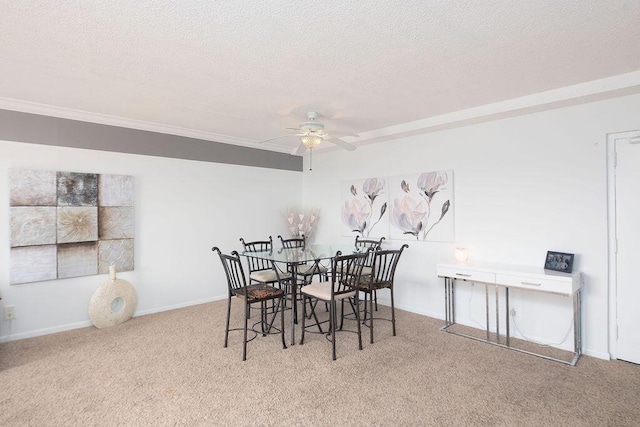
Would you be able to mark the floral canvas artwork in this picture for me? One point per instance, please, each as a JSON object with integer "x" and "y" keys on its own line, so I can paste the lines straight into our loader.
{"x": 421, "y": 207}
{"x": 365, "y": 208}
{"x": 68, "y": 224}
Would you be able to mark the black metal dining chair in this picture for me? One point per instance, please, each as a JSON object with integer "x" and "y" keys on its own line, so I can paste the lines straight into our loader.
{"x": 304, "y": 272}
{"x": 382, "y": 277}
{"x": 346, "y": 271}
{"x": 261, "y": 270}
{"x": 375, "y": 245}
{"x": 250, "y": 294}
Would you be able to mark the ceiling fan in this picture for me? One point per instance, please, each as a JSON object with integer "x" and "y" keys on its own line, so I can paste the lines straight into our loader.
{"x": 312, "y": 133}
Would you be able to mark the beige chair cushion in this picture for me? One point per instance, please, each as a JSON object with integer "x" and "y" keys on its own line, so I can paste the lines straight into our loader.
{"x": 366, "y": 271}
{"x": 268, "y": 276}
{"x": 322, "y": 291}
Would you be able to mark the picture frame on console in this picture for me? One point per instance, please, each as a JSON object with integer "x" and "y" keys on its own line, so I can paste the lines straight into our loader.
{"x": 559, "y": 261}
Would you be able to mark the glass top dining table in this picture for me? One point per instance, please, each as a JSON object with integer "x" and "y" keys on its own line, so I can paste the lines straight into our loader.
{"x": 293, "y": 257}
{"x": 309, "y": 253}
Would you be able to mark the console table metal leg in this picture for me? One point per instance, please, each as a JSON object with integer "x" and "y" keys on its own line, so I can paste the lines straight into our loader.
{"x": 579, "y": 321}
{"x": 497, "y": 289}
{"x": 449, "y": 305}
{"x": 452, "y": 301}
{"x": 447, "y": 321}
{"x": 507, "y": 322}
{"x": 294, "y": 303}
{"x": 486, "y": 297}
{"x": 577, "y": 326}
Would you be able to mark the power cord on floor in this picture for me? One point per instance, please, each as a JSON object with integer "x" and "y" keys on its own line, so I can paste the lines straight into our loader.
{"x": 546, "y": 344}
{"x": 515, "y": 324}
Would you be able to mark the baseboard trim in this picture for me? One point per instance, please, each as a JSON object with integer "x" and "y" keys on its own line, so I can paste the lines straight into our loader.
{"x": 179, "y": 305}
{"x": 45, "y": 331}
{"x": 84, "y": 324}
{"x": 591, "y": 353}
{"x": 597, "y": 354}
{"x": 87, "y": 323}
{"x": 412, "y": 309}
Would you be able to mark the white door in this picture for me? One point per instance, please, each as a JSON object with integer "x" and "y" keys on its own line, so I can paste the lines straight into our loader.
{"x": 627, "y": 205}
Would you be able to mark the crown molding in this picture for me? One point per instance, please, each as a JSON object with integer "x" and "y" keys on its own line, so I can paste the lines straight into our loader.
{"x": 595, "y": 90}
{"x": 105, "y": 119}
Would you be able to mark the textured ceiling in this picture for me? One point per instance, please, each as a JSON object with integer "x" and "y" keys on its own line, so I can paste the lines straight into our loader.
{"x": 241, "y": 70}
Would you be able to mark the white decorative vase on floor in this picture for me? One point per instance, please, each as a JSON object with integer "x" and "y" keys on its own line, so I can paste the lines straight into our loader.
{"x": 114, "y": 302}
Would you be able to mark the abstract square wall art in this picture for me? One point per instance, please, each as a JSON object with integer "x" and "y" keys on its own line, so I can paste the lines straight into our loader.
{"x": 33, "y": 264}
{"x": 77, "y": 224}
{"x": 116, "y": 222}
{"x": 77, "y": 189}
{"x": 32, "y": 225}
{"x": 69, "y": 224}
{"x": 115, "y": 252}
{"x": 32, "y": 188}
{"x": 115, "y": 190}
{"x": 77, "y": 259}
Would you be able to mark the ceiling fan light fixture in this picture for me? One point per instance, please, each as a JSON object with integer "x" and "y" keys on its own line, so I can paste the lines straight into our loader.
{"x": 311, "y": 141}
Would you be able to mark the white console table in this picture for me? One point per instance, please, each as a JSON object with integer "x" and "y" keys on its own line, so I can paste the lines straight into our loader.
{"x": 506, "y": 276}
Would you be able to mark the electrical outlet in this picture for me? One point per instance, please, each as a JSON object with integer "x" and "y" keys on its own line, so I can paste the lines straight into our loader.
{"x": 9, "y": 312}
{"x": 512, "y": 312}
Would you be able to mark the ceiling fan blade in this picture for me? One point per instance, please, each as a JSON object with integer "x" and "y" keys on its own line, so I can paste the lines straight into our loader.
{"x": 277, "y": 137}
{"x": 300, "y": 150}
{"x": 341, "y": 143}
{"x": 341, "y": 132}
{"x": 298, "y": 129}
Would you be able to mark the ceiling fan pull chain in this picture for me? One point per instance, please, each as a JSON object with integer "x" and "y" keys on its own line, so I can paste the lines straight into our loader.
{"x": 310, "y": 160}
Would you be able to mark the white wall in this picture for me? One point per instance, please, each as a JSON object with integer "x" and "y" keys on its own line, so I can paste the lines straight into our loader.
{"x": 182, "y": 209}
{"x": 523, "y": 186}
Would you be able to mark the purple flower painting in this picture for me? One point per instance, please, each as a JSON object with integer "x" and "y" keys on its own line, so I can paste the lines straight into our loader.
{"x": 421, "y": 207}
{"x": 364, "y": 208}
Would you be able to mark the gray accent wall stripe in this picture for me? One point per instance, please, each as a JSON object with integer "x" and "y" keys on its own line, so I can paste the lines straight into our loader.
{"x": 37, "y": 129}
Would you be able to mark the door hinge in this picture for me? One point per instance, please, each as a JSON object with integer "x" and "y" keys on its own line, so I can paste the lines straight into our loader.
{"x": 617, "y": 335}
{"x": 615, "y": 159}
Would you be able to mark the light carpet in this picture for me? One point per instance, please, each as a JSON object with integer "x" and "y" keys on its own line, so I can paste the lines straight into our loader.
{"x": 171, "y": 369}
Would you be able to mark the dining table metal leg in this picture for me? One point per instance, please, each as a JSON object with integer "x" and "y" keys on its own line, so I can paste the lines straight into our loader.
{"x": 294, "y": 303}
